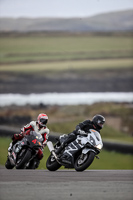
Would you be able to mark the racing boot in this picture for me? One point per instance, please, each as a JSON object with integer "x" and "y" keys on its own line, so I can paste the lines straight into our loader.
{"x": 60, "y": 148}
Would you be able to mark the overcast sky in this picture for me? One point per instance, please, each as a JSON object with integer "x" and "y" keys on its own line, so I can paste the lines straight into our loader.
{"x": 61, "y": 8}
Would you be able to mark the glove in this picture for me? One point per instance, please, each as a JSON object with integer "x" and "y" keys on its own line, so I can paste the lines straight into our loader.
{"x": 16, "y": 136}
{"x": 22, "y": 130}
{"x": 81, "y": 132}
{"x": 44, "y": 144}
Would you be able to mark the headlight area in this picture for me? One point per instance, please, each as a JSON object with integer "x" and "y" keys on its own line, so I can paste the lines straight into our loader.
{"x": 99, "y": 146}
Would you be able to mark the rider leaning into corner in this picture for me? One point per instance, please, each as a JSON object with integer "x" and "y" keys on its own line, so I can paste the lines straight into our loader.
{"x": 38, "y": 126}
{"x": 83, "y": 128}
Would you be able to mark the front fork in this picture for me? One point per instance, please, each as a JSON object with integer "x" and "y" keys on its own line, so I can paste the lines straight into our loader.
{"x": 52, "y": 150}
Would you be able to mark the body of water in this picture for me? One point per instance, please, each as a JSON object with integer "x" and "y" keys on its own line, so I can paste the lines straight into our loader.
{"x": 65, "y": 98}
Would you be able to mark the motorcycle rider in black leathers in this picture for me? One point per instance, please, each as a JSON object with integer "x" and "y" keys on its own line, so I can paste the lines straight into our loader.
{"x": 82, "y": 129}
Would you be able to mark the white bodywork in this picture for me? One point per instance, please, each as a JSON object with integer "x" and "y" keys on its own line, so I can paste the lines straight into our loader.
{"x": 94, "y": 138}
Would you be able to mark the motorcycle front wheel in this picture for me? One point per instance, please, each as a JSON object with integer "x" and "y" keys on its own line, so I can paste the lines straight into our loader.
{"x": 8, "y": 164}
{"x": 23, "y": 159}
{"x": 83, "y": 161}
{"x": 52, "y": 164}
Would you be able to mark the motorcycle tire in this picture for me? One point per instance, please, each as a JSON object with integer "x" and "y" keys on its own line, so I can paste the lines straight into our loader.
{"x": 8, "y": 164}
{"x": 52, "y": 165}
{"x": 24, "y": 160}
{"x": 86, "y": 164}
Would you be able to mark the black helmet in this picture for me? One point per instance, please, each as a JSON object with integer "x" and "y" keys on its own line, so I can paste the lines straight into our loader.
{"x": 98, "y": 121}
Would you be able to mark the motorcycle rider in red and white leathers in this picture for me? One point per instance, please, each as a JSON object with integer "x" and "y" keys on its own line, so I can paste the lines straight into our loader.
{"x": 38, "y": 126}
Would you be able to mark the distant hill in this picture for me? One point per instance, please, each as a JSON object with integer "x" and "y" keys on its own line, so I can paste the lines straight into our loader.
{"x": 114, "y": 21}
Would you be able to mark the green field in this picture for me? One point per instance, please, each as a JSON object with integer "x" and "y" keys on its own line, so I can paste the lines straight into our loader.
{"x": 65, "y": 52}
{"x": 108, "y": 160}
{"x": 64, "y": 45}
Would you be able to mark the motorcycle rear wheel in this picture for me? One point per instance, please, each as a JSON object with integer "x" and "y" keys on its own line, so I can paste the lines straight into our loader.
{"x": 86, "y": 163}
{"x": 24, "y": 160}
{"x": 52, "y": 164}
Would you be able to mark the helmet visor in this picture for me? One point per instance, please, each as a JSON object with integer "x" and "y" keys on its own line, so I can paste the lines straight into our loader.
{"x": 100, "y": 123}
{"x": 43, "y": 121}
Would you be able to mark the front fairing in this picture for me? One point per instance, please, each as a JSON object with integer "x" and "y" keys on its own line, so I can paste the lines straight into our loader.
{"x": 92, "y": 141}
{"x": 37, "y": 136}
{"x": 32, "y": 141}
{"x": 93, "y": 138}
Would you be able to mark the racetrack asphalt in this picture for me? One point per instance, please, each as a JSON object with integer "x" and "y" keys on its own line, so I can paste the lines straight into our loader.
{"x": 66, "y": 185}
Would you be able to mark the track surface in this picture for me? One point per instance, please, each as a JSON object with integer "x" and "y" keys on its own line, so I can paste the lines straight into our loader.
{"x": 66, "y": 184}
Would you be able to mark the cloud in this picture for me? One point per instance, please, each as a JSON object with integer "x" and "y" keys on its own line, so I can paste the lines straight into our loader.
{"x": 60, "y": 8}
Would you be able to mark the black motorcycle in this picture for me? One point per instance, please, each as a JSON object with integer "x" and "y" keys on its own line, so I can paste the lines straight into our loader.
{"x": 79, "y": 154}
{"x": 24, "y": 153}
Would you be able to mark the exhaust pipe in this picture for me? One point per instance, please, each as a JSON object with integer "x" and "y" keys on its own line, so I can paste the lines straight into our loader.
{"x": 51, "y": 149}
{"x": 50, "y": 146}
